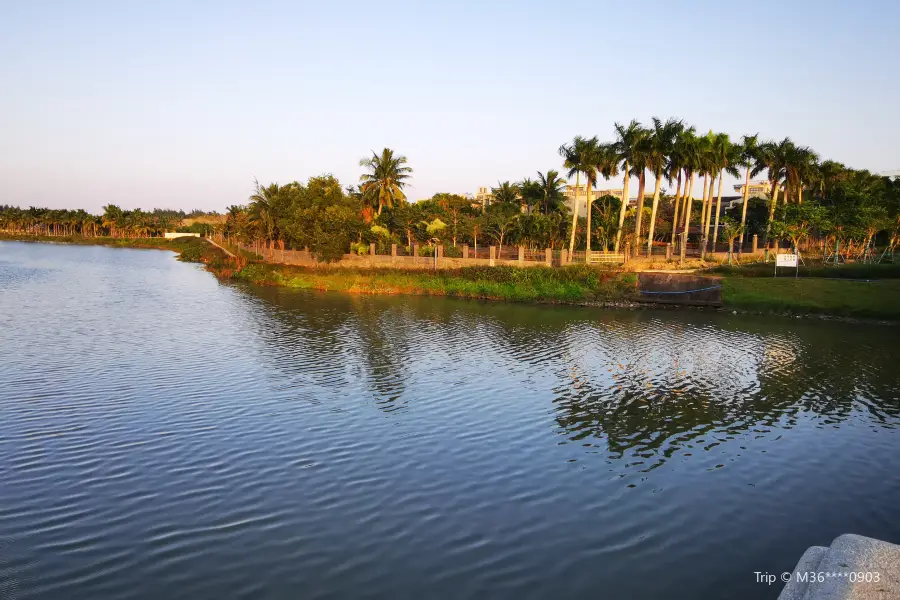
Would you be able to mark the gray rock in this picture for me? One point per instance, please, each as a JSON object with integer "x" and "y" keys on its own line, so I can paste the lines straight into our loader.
{"x": 852, "y": 568}
{"x": 795, "y": 589}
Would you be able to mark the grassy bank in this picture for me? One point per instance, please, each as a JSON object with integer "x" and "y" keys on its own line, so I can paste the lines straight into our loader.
{"x": 575, "y": 284}
{"x": 580, "y": 284}
{"x": 744, "y": 289}
{"x": 873, "y": 299}
{"x": 811, "y": 269}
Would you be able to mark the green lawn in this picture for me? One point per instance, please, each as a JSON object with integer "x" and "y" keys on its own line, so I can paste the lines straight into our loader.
{"x": 877, "y": 299}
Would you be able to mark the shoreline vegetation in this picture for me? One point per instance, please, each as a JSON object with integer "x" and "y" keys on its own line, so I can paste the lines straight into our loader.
{"x": 867, "y": 292}
{"x": 842, "y": 223}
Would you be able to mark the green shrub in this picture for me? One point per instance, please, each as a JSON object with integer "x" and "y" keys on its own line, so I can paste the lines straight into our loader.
{"x": 453, "y": 252}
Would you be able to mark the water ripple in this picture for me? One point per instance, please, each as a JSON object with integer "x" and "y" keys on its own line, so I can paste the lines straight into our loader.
{"x": 162, "y": 435}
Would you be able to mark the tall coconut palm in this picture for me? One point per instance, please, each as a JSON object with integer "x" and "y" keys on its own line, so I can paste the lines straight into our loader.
{"x": 386, "y": 178}
{"x": 689, "y": 147}
{"x": 662, "y": 142}
{"x": 727, "y": 157}
{"x": 748, "y": 148}
{"x": 771, "y": 157}
{"x": 639, "y": 170}
{"x": 607, "y": 158}
{"x": 708, "y": 168}
{"x": 679, "y": 158}
{"x": 626, "y": 147}
{"x": 580, "y": 158}
{"x": 800, "y": 164}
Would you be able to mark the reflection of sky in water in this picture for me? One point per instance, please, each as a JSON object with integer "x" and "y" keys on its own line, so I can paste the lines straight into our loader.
{"x": 157, "y": 424}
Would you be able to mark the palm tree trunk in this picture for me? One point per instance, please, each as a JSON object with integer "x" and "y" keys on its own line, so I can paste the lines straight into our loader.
{"x": 575, "y": 214}
{"x": 703, "y": 215}
{"x": 799, "y": 191}
{"x": 622, "y": 210}
{"x": 744, "y": 207}
{"x": 640, "y": 212}
{"x": 718, "y": 213}
{"x": 772, "y": 210}
{"x": 677, "y": 206}
{"x": 688, "y": 205}
{"x": 709, "y": 205}
{"x": 652, "y": 224}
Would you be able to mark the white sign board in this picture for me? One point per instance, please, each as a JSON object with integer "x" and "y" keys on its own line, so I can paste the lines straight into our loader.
{"x": 786, "y": 260}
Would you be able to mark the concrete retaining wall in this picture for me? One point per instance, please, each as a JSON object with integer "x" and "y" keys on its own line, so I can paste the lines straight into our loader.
{"x": 677, "y": 288}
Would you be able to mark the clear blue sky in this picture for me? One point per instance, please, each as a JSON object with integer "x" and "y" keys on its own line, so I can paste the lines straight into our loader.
{"x": 181, "y": 104}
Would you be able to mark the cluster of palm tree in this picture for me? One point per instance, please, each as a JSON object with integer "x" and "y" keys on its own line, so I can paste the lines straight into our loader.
{"x": 668, "y": 150}
{"x": 851, "y": 206}
{"x": 673, "y": 152}
{"x": 114, "y": 222}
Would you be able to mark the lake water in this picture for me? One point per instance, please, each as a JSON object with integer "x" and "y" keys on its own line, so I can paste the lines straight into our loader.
{"x": 166, "y": 436}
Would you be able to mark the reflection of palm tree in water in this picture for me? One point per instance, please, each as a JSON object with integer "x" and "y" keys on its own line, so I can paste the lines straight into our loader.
{"x": 710, "y": 393}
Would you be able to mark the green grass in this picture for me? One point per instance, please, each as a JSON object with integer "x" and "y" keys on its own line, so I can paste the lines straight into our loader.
{"x": 533, "y": 284}
{"x": 851, "y": 271}
{"x": 879, "y": 299}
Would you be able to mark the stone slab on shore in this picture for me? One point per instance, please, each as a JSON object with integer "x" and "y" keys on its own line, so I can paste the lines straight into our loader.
{"x": 854, "y": 567}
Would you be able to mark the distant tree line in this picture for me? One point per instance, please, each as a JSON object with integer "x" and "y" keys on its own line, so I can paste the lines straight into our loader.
{"x": 114, "y": 222}
{"x": 845, "y": 207}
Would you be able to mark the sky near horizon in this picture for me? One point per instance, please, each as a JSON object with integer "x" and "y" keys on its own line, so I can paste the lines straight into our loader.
{"x": 181, "y": 104}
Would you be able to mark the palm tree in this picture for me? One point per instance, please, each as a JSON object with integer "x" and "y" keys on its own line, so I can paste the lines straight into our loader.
{"x": 607, "y": 167}
{"x": 112, "y": 217}
{"x": 626, "y": 147}
{"x": 769, "y": 157}
{"x": 530, "y": 194}
{"x": 800, "y": 165}
{"x": 386, "y": 178}
{"x": 676, "y": 166}
{"x": 748, "y": 148}
{"x": 830, "y": 173}
{"x": 727, "y": 156}
{"x": 263, "y": 211}
{"x": 688, "y": 145}
{"x": 662, "y": 142}
{"x": 580, "y": 157}
{"x": 639, "y": 170}
{"x": 505, "y": 192}
{"x": 551, "y": 186}
{"x": 707, "y": 166}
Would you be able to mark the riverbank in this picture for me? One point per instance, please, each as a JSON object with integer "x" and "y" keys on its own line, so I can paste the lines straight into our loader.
{"x": 809, "y": 296}
{"x": 579, "y": 284}
{"x": 188, "y": 249}
{"x": 568, "y": 285}
{"x": 575, "y": 284}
